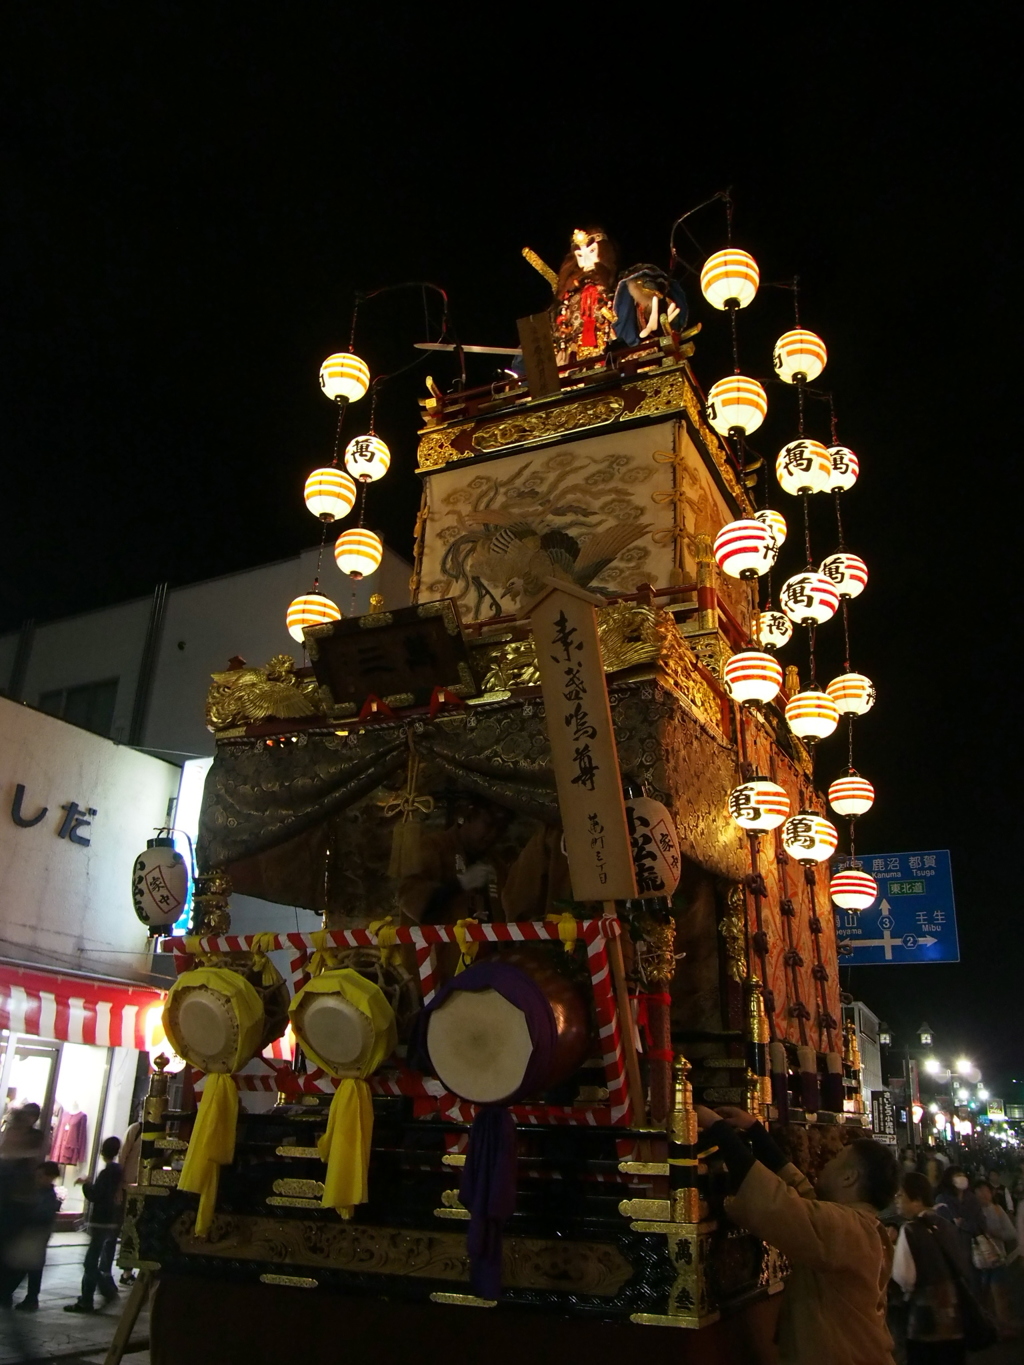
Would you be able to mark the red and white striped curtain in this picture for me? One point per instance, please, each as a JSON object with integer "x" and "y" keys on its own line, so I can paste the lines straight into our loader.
{"x": 73, "y": 1009}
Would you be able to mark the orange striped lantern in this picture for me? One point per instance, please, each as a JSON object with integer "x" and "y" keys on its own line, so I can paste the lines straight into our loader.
{"x": 729, "y": 279}
{"x": 852, "y": 889}
{"x": 845, "y": 468}
{"x": 799, "y": 355}
{"x": 313, "y": 609}
{"x": 809, "y": 838}
{"x": 851, "y": 794}
{"x": 751, "y": 676}
{"x": 803, "y": 467}
{"x": 358, "y": 552}
{"x": 776, "y": 523}
{"x": 344, "y": 378}
{"x": 848, "y": 572}
{"x": 812, "y": 714}
{"x": 853, "y": 694}
{"x": 329, "y": 493}
{"x": 774, "y": 629}
{"x": 745, "y": 548}
{"x": 367, "y": 458}
{"x": 809, "y": 598}
{"x": 736, "y": 404}
{"x": 758, "y": 805}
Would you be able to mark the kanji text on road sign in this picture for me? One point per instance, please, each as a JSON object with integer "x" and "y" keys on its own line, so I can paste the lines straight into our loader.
{"x": 914, "y": 918}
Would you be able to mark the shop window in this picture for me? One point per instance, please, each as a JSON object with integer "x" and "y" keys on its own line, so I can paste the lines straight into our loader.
{"x": 90, "y": 705}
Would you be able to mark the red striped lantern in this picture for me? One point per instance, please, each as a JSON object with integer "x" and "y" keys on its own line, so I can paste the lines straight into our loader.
{"x": 745, "y": 548}
{"x": 852, "y": 889}
{"x": 313, "y": 609}
{"x": 851, "y": 794}
{"x": 809, "y": 838}
{"x": 845, "y": 468}
{"x": 774, "y": 629}
{"x": 809, "y": 598}
{"x": 758, "y": 805}
{"x": 848, "y": 572}
{"x": 803, "y": 467}
{"x": 729, "y": 279}
{"x": 751, "y": 676}
{"x": 799, "y": 355}
{"x": 736, "y": 404}
{"x": 853, "y": 694}
{"x": 812, "y": 714}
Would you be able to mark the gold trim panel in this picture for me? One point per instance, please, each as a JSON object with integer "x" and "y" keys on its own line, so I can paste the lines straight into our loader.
{"x": 282, "y": 1201}
{"x": 302, "y": 1189}
{"x": 306, "y": 1152}
{"x": 464, "y": 1300}
{"x": 293, "y": 1281}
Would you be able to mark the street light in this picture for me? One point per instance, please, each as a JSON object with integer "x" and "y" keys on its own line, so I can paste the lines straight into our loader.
{"x": 884, "y": 1035}
{"x": 932, "y": 1065}
{"x": 964, "y": 1066}
{"x": 982, "y": 1093}
{"x": 924, "y": 1034}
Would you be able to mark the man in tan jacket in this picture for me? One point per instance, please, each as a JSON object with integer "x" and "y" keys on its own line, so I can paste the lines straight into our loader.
{"x": 834, "y": 1305}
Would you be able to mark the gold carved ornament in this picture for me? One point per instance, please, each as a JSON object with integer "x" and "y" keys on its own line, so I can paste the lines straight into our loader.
{"x": 243, "y": 696}
{"x": 733, "y": 928}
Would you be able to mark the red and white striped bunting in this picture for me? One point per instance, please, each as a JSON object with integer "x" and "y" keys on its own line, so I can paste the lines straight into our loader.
{"x": 73, "y": 1009}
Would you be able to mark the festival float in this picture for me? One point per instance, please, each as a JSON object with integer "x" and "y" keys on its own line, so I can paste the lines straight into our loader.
{"x": 558, "y": 826}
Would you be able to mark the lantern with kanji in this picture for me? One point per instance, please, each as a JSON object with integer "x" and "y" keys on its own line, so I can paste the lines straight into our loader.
{"x": 799, "y": 355}
{"x": 809, "y": 838}
{"x": 160, "y": 883}
{"x": 758, "y": 805}
{"x": 655, "y": 844}
{"x": 774, "y": 629}
{"x": 344, "y": 378}
{"x": 312, "y": 609}
{"x": 729, "y": 279}
{"x": 329, "y": 493}
{"x": 845, "y": 468}
{"x": 803, "y": 466}
{"x": 745, "y": 548}
{"x": 751, "y": 676}
{"x": 852, "y": 889}
{"x": 367, "y": 458}
{"x": 776, "y": 522}
{"x": 736, "y": 404}
{"x": 851, "y": 794}
{"x": 809, "y": 598}
{"x": 848, "y": 572}
{"x": 853, "y": 693}
{"x": 811, "y": 714}
{"x": 358, "y": 552}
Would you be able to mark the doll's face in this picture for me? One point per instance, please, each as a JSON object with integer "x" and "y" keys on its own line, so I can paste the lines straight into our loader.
{"x": 586, "y": 254}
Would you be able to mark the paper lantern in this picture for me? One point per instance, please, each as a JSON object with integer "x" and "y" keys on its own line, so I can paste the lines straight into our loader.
{"x": 812, "y": 714}
{"x": 736, "y": 403}
{"x": 330, "y": 494}
{"x": 799, "y": 355}
{"x": 776, "y": 523}
{"x": 809, "y": 598}
{"x": 745, "y": 548}
{"x": 845, "y": 468}
{"x": 358, "y": 552}
{"x": 367, "y": 458}
{"x": 344, "y": 378}
{"x": 655, "y": 845}
{"x": 848, "y": 572}
{"x": 758, "y": 804}
{"x": 852, "y": 889}
{"x": 774, "y": 629}
{"x": 729, "y": 279}
{"x": 751, "y": 676}
{"x": 851, "y": 794}
{"x": 809, "y": 838}
{"x": 853, "y": 694}
{"x": 160, "y": 879}
{"x": 312, "y": 609}
{"x": 803, "y": 467}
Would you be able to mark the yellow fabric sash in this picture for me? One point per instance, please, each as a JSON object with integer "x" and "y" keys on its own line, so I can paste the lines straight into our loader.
{"x": 346, "y": 1147}
{"x": 467, "y": 946}
{"x": 566, "y": 922}
{"x": 212, "y": 1146}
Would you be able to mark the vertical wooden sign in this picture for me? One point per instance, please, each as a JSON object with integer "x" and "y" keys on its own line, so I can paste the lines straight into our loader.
{"x": 538, "y": 354}
{"x": 583, "y": 754}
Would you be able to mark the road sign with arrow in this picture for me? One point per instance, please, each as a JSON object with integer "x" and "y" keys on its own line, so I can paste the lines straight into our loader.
{"x": 914, "y": 918}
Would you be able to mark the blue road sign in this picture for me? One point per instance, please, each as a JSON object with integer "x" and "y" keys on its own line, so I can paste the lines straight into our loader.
{"x": 914, "y": 918}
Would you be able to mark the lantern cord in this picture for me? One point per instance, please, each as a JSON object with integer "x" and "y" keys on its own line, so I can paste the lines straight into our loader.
{"x": 320, "y": 556}
{"x": 796, "y": 302}
{"x": 833, "y": 422}
{"x": 674, "y": 256}
{"x": 807, "y": 528}
{"x": 810, "y": 649}
{"x": 733, "y": 310}
{"x": 839, "y": 519}
{"x": 342, "y": 408}
{"x": 355, "y": 314}
{"x": 853, "y": 845}
{"x": 362, "y": 502}
{"x": 373, "y": 403}
{"x": 800, "y": 381}
{"x": 846, "y": 635}
{"x": 849, "y": 740}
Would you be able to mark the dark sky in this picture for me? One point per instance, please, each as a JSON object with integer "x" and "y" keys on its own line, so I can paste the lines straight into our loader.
{"x": 191, "y": 194}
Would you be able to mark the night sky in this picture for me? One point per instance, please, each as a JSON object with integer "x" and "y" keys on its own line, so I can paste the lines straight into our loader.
{"x": 191, "y": 196}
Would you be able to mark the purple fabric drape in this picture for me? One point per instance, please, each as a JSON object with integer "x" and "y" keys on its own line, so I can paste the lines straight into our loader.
{"x": 488, "y": 1185}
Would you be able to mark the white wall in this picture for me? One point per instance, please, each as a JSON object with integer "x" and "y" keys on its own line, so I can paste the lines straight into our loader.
{"x": 63, "y": 904}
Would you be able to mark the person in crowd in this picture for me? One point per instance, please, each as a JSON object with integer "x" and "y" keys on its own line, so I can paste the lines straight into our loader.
{"x": 25, "y": 1254}
{"x": 835, "y": 1300}
{"x": 929, "y": 1255}
{"x": 130, "y": 1153}
{"x": 103, "y": 1222}
{"x": 955, "y": 1201}
{"x": 933, "y": 1169}
{"x": 1000, "y": 1192}
{"x": 991, "y": 1255}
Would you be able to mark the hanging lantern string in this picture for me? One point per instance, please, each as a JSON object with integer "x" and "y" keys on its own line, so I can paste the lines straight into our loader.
{"x": 733, "y": 310}
{"x": 807, "y": 528}
{"x": 674, "y": 256}
{"x": 342, "y": 409}
{"x": 795, "y": 286}
{"x": 355, "y": 314}
{"x": 362, "y": 502}
{"x": 811, "y": 630}
{"x": 374, "y": 389}
{"x": 320, "y": 556}
{"x": 846, "y": 635}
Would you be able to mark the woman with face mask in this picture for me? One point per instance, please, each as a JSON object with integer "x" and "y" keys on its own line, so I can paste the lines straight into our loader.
{"x": 955, "y": 1201}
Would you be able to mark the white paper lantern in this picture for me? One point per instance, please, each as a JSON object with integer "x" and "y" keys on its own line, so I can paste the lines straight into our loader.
{"x": 312, "y": 609}
{"x": 803, "y": 467}
{"x": 809, "y": 598}
{"x": 852, "y": 889}
{"x": 344, "y": 377}
{"x": 848, "y": 572}
{"x": 655, "y": 845}
{"x": 329, "y": 493}
{"x": 745, "y": 548}
{"x": 853, "y": 693}
{"x": 736, "y": 403}
{"x": 812, "y": 714}
{"x": 851, "y": 794}
{"x": 729, "y": 277}
{"x": 751, "y": 676}
{"x": 799, "y": 354}
{"x": 758, "y": 804}
{"x": 776, "y": 523}
{"x": 367, "y": 458}
{"x": 774, "y": 629}
{"x": 160, "y": 879}
{"x": 358, "y": 552}
{"x": 809, "y": 838}
{"x": 845, "y": 468}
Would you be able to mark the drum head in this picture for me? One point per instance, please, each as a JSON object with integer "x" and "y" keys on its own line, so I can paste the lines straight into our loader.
{"x": 479, "y": 1045}
{"x": 206, "y": 1028}
{"x": 335, "y": 1030}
